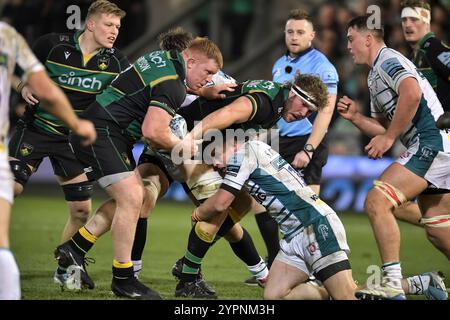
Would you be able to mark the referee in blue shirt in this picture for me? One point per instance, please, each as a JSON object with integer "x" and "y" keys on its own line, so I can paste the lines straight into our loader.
{"x": 302, "y": 143}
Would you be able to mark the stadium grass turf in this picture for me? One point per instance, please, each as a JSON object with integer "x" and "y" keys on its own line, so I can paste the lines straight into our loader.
{"x": 38, "y": 220}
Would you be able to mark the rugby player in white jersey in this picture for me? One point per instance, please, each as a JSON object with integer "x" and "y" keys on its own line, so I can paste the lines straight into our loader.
{"x": 403, "y": 106}
{"x": 15, "y": 52}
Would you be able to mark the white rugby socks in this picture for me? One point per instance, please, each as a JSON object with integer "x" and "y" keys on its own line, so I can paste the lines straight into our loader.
{"x": 9, "y": 276}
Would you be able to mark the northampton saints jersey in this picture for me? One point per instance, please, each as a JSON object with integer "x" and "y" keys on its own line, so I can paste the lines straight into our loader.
{"x": 433, "y": 60}
{"x": 267, "y": 97}
{"x": 80, "y": 77}
{"x": 156, "y": 79}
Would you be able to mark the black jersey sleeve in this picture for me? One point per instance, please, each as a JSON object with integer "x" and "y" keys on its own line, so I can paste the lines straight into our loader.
{"x": 168, "y": 95}
{"x": 438, "y": 55}
{"x": 43, "y": 46}
{"x": 262, "y": 108}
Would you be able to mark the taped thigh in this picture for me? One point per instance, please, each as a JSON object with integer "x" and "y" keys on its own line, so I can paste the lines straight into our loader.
{"x": 441, "y": 221}
{"x": 394, "y": 195}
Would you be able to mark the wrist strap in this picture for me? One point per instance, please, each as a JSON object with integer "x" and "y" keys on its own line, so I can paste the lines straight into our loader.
{"x": 309, "y": 157}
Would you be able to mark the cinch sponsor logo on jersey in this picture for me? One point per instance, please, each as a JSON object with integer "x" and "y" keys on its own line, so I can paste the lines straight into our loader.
{"x": 81, "y": 82}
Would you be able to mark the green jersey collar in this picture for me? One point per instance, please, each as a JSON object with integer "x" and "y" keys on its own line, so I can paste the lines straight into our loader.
{"x": 428, "y": 36}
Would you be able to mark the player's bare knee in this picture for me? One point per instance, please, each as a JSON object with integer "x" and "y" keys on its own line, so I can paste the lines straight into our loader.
{"x": 382, "y": 198}
{"x": 374, "y": 202}
{"x": 132, "y": 200}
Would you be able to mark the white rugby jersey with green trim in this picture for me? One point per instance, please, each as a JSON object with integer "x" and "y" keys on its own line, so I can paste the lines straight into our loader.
{"x": 389, "y": 69}
{"x": 276, "y": 185}
{"x": 14, "y": 51}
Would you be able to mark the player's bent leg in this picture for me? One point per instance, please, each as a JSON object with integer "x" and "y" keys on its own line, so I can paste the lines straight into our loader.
{"x": 243, "y": 247}
{"x": 409, "y": 212}
{"x": 311, "y": 290}
{"x": 101, "y": 222}
{"x": 156, "y": 184}
{"x": 9, "y": 272}
{"x": 128, "y": 191}
{"x": 436, "y": 220}
{"x": 22, "y": 172}
{"x": 234, "y": 234}
{"x": 283, "y": 282}
{"x": 385, "y": 228}
{"x": 268, "y": 228}
{"x": 341, "y": 285}
{"x": 78, "y": 193}
{"x": 395, "y": 186}
{"x": 129, "y": 195}
{"x": 439, "y": 237}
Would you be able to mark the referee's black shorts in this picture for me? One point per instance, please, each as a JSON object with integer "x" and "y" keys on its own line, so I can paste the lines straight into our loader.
{"x": 290, "y": 146}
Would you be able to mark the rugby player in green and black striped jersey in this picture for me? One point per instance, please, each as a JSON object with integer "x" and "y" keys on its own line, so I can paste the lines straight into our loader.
{"x": 82, "y": 65}
{"x": 139, "y": 103}
{"x": 430, "y": 55}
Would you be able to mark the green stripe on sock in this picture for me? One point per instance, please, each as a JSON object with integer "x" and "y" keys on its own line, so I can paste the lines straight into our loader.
{"x": 189, "y": 270}
{"x": 193, "y": 258}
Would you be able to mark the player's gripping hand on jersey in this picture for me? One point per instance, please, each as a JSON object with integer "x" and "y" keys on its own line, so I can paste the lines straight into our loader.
{"x": 214, "y": 92}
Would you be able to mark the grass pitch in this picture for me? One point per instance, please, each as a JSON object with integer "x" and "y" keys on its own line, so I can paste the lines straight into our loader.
{"x": 39, "y": 217}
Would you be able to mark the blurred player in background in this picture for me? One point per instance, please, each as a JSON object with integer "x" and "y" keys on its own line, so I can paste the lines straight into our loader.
{"x": 14, "y": 52}
{"x": 430, "y": 55}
